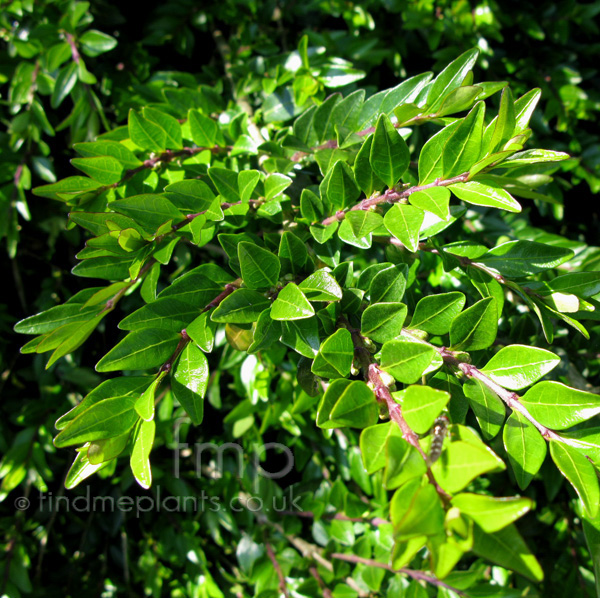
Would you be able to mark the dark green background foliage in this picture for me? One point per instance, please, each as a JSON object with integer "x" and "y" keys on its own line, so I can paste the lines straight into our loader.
{"x": 319, "y": 224}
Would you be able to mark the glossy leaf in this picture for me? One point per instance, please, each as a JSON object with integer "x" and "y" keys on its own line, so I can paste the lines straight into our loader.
{"x": 291, "y": 304}
{"x": 436, "y": 313}
{"x": 335, "y": 356}
{"x": 525, "y": 447}
{"x": 558, "y": 406}
{"x": 404, "y": 222}
{"x": 406, "y": 360}
{"x": 518, "y": 366}
{"x": 421, "y": 405}
{"x": 476, "y": 327}
{"x": 389, "y": 153}
{"x": 382, "y": 322}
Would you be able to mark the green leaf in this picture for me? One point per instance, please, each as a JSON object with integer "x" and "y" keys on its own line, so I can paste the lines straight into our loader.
{"x": 435, "y": 314}
{"x": 421, "y": 405}
{"x": 367, "y": 180}
{"x": 459, "y": 99}
{"x": 354, "y": 403}
{"x": 383, "y": 321}
{"x": 388, "y": 285}
{"x": 356, "y": 407}
{"x": 335, "y": 356}
{"x": 144, "y": 406}
{"x": 267, "y": 332}
{"x": 389, "y": 156}
{"x": 140, "y": 350}
{"x": 202, "y": 331}
{"x": 580, "y": 473}
{"x": 106, "y": 419}
{"x": 403, "y": 462}
{"x": 435, "y": 200}
{"x": 145, "y": 134}
{"x": 524, "y": 108}
{"x": 149, "y": 210}
{"x": 476, "y": 327}
{"x": 226, "y": 182}
{"x": 321, "y": 286}
{"x": 291, "y": 304}
{"x": 363, "y": 222}
{"x": 260, "y": 268}
{"x": 140, "y": 453}
{"x": 406, "y": 360}
{"x": 525, "y": 447}
{"x": 492, "y": 514}
{"x": 559, "y": 407}
{"x": 487, "y": 406}
{"x": 416, "y": 511}
{"x": 107, "y": 448}
{"x": 507, "y": 549}
{"x": 461, "y": 462}
{"x": 190, "y": 381}
{"x": 582, "y": 284}
{"x": 533, "y": 156}
{"x": 520, "y": 258}
{"x": 68, "y": 188}
{"x": 451, "y": 78}
{"x": 203, "y": 129}
{"x": 373, "y": 442}
{"x": 190, "y": 197}
{"x": 276, "y": 184}
{"x": 430, "y": 158}
{"x": 243, "y": 306}
{"x": 504, "y": 123}
{"x": 168, "y": 124}
{"x": 247, "y": 181}
{"x": 104, "y": 169}
{"x": 114, "y": 149}
{"x": 302, "y": 336}
{"x": 518, "y": 366}
{"x": 292, "y": 253}
{"x": 341, "y": 189}
{"x": 479, "y": 194}
{"x": 94, "y": 42}
{"x": 65, "y": 81}
{"x": 55, "y": 317}
{"x": 404, "y": 222}
{"x": 80, "y": 470}
{"x": 463, "y": 149}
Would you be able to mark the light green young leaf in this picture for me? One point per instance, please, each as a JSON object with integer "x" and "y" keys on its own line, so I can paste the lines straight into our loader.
{"x": 461, "y": 462}
{"x": 435, "y": 200}
{"x": 404, "y": 222}
{"x": 488, "y": 408}
{"x": 373, "y": 442}
{"x": 525, "y": 447}
{"x": 321, "y": 286}
{"x": 140, "y": 453}
{"x": 421, "y": 405}
{"x": 559, "y": 407}
{"x": 580, "y": 473}
{"x": 480, "y": 194}
{"x": 507, "y": 548}
{"x": 406, "y": 360}
{"x": 490, "y": 513}
{"x": 518, "y": 366}
{"x": 291, "y": 304}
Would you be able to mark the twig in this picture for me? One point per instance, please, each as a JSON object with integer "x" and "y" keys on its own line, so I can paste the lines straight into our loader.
{"x": 418, "y": 575}
{"x": 315, "y": 573}
{"x": 277, "y": 567}
{"x": 394, "y": 196}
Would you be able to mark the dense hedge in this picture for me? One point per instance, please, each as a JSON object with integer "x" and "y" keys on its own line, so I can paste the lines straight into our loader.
{"x": 301, "y": 233}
